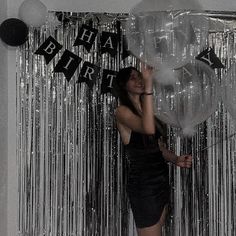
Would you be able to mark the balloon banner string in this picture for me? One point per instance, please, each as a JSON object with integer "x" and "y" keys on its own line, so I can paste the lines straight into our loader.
{"x": 214, "y": 144}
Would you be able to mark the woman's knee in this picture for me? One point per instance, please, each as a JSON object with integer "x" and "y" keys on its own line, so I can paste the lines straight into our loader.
{"x": 154, "y": 230}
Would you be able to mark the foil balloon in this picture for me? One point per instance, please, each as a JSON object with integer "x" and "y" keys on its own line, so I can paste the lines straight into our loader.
{"x": 158, "y": 35}
{"x": 191, "y": 100}
{"x": 229, "y": 90}
{"x": 33, "y": 13}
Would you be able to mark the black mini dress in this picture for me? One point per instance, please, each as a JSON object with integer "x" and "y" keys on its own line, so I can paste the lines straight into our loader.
{"x": 147, "y": 180}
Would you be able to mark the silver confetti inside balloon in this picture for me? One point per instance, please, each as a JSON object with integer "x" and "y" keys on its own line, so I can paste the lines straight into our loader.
{"x": 191, "y": 100}
{"x": 228, "y": 90}
{"x": 168, "y": 37}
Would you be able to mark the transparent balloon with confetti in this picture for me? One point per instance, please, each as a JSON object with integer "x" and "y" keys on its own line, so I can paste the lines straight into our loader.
{"x": 166, "y": 36}
{"x": 228, "y": 90}
{"x": 191, "y": 100}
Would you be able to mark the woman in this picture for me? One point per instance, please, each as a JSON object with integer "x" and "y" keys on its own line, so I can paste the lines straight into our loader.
{"x": 140, "y": 131}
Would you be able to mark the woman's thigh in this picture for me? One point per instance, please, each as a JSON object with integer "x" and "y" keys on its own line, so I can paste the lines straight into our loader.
{"x": 154, "y": 230}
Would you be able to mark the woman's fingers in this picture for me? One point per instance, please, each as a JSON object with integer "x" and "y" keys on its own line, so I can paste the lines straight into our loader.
{"x": 185, "y": 161}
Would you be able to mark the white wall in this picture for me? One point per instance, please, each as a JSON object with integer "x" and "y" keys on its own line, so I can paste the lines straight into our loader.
{"x": 8, "y": 91}
{"x": 116, "y": 6}
{"x": 3, "y": 128}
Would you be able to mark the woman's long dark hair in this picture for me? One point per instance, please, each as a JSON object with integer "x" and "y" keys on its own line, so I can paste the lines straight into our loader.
{"x": 122, "y": 78}
{"x": 121, "y": 92}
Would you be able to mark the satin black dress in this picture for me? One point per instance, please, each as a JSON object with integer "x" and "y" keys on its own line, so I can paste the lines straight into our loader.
{"x": 147, "y": 180}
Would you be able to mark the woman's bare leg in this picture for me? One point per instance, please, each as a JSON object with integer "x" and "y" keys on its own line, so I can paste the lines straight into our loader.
{"x": 154, "y": 230}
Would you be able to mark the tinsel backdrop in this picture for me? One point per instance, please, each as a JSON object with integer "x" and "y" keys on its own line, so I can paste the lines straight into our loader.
{"x": 71, "y": 165}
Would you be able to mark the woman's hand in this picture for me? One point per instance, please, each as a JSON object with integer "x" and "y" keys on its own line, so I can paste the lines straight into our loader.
{"x": 184, "y": 161}
{"x": 147, "y": 71}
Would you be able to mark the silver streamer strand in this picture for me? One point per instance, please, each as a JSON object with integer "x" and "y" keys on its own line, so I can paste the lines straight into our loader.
{"x": 71, "y": 165}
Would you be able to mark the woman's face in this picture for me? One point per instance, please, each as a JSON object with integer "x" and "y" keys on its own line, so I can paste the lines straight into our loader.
{"x": 135, "y": 83}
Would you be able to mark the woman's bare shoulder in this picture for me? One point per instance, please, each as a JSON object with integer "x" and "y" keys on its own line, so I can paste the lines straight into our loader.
{"x": 121, "y": 108}
{"x": 122, "y": 111}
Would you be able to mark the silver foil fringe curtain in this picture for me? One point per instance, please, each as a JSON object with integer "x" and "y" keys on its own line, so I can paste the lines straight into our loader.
{"x": 71, "y": 166}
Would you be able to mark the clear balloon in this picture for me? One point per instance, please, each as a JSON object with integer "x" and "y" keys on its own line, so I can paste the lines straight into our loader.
{"x": 165, "y": 75}
{"x": 33, "y": 13}
{"x": 229, "y": 90}
{"x": 166, "y": 37}
{"x": 191, "y": 100}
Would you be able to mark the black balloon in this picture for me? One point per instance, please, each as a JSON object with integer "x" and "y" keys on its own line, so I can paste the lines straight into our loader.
{"x": 14, "y": 32}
